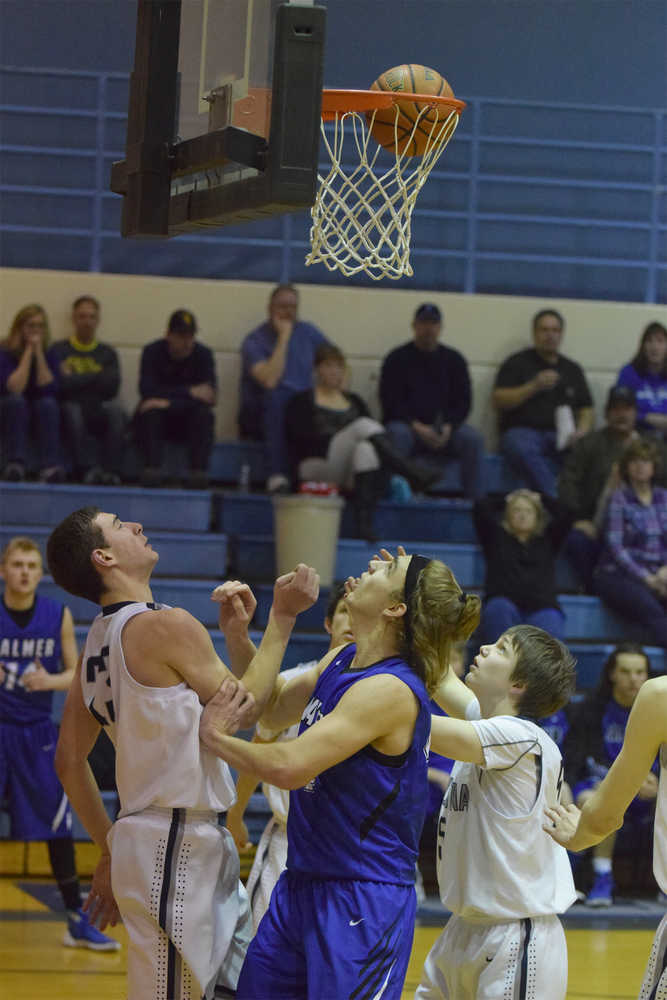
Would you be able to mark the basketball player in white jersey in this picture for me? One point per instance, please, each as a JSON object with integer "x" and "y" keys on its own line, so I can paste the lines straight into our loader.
{"x": 145, "y": 674}
{"x": 645, "y": 736}
{"x": 503, "y": 880}
{"x": 271, "y": 855}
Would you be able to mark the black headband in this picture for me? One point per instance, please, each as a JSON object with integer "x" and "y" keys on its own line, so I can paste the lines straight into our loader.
{"x": 415, "y": 566}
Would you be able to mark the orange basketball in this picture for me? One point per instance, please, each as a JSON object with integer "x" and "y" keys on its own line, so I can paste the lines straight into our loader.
{"x": 412, "y": 79}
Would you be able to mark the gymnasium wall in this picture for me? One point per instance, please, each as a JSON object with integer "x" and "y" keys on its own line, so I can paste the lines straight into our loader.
{"x": 586, "y": 51}
{"x": 365, "y": 323}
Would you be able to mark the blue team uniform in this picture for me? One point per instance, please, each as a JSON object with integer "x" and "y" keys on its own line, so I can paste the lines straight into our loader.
{"x": 557, "y": 726}
{"x": 38, "y": 806}
{"x": 341, "y": 919}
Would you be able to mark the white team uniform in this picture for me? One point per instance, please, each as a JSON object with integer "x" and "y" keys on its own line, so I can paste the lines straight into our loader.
{"x": 174, "y": 870}
{"x": 654, "y": 986}
{"x": 503, "y": 878}
{"x": 271, "y": 855}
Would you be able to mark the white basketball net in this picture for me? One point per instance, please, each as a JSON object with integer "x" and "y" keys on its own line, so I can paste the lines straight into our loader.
{"x": 362, "y": 216}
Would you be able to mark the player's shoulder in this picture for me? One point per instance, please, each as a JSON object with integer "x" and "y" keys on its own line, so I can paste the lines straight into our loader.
{"x": 162, "y": 624}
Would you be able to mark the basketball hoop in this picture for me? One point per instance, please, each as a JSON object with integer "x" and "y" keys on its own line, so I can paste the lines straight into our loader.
{"x": 361, "y": 219}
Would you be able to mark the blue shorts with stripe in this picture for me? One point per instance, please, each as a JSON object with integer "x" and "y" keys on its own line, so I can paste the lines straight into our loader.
{"x": 38, "y": 806}
{"x": 331, "y": 940}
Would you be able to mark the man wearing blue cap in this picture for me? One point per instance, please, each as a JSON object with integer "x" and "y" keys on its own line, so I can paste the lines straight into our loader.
{"x": 426, "y": 396}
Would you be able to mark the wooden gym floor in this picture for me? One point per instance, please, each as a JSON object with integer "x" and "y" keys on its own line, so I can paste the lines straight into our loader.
{"x": 604, "y": 965}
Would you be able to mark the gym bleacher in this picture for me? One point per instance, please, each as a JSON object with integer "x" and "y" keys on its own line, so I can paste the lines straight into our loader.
{"x": 205, "y": 537}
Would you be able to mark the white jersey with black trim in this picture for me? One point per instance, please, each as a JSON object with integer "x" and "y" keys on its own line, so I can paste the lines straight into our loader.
{"x": 660, "y": 825}
{"x": 159, "y": 759}
{"x": 278, "y": 798}
{"x": 495, "y": 862}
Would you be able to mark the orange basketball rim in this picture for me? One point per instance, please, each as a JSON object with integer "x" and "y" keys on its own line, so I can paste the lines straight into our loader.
{"x": 362, "y": 215}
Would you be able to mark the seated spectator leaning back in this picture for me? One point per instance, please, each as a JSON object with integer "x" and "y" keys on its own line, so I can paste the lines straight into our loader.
{"x": 520, "y": 536}
{"x": 590, "y": 475}
{"x": 647, "y": 376}
{"x": 426, "y": 397}
{"x": 591, "y": 747}
{"x": 631, "y": 574}
{"x": 277, "y": 360}
{"x": 28, "y": 401}
{"x": 534, "y": 389}
{"x": 88, "y": 380}
{"x": 177, "y": 385}
{"x": 332, "y": 437}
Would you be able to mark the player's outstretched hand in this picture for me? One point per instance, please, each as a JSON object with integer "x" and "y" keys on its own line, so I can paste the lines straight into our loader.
{"x": 296, "y": 591}
{"x": 237, "y": 605}
{"x": 100, "y": 904}
{"x": 228, "y": 711}
{"x": 386, "y": 555}
{"x": 561, "y": 823}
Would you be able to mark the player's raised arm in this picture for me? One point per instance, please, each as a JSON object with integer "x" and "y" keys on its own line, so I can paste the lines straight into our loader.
{"x": 236, "y": 607}
{"x": 603, "y": 811}
{"x": 292, "y": 593}
{"x": 456, "y": 739}
{"x": 453, "y": 696}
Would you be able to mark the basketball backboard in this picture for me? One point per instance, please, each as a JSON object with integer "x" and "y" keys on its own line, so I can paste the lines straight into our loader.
{"x": 224, "y": 113}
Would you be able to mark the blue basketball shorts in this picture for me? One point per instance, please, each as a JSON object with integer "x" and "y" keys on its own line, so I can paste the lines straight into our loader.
{"x": 38, "y": 806}
{"x": 331, "y": 940}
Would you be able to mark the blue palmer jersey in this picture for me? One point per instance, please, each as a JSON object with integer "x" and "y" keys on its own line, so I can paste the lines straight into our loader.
{"x": 19, "y": 649}
{"x": 361, "y": 819}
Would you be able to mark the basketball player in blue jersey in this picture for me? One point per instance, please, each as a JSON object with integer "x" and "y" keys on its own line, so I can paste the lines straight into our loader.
{"x": 341, "y": 918}
{"x": 37, "y": 657}
{"x": 602, "y": 814}
{"x": 500, "y": 877}
{"x": 167, "y": 866}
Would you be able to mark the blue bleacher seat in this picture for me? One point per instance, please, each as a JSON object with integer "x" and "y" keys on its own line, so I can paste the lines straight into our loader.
{"x": 157, "y": 510}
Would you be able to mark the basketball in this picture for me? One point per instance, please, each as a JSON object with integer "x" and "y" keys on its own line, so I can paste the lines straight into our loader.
{"x": 415, "y": 79}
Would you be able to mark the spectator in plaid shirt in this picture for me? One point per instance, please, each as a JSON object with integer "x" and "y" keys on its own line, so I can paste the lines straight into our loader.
{"x": 631, "y": 574}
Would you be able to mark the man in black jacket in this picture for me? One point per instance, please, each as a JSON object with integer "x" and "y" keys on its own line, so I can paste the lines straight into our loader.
{"x": 425, "y": 395}
{"x": 177, "y": 384}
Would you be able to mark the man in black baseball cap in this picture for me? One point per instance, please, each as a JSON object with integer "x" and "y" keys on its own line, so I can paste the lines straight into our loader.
{"x": 177, "y": 383}
{"x": 426, "y": 397}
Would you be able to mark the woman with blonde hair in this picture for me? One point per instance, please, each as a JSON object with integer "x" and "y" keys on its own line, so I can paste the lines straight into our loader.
{"x": 28, "y": 398}
{"x": 520, "y": 536}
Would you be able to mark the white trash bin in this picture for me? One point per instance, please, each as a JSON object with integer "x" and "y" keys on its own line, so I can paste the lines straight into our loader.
{"x": 305, "y": 529}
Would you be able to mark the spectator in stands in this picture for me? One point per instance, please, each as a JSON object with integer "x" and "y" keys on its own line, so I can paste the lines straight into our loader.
{"x": 177, "y": 384}
{"x": 426, "y": 397}
{"x": 631, "y": 574}
{"x": 331, "y": 437}
{"x": 591, "y": 747}
{"x": 277, "y": 361}
{"x": 88, "y": 379}
{"x": 647, "y": 376}
{"x": 520, "y": 536}
{"x": 38, "y": 656}
{"x": 589, "y": 476}
{"x": 535, "y": 390}
{"x": 28, "y": 398}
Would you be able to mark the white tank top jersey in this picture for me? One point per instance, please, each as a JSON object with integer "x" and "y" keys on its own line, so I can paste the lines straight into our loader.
{"x": 278, "y": 798}
{"x": 495, "y": 862}
{"x": 660, "y": 825}
{"x": 159, "y": 759}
